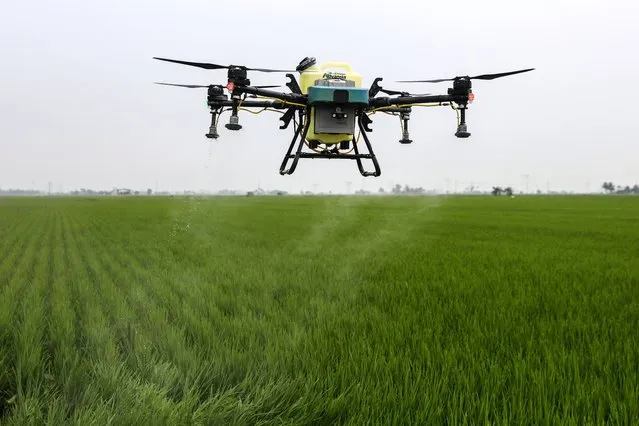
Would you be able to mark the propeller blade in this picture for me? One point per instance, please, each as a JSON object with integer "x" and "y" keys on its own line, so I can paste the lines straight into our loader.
{"x": 267, "y": 70}
{"x": 194, "y": 64}
{"x": 425, "y": 81}
{"x": 502, "y": 74}
{"x": 210, "y": 66}
{"x": 397, "y": 92}
{"x": 190, "y": 86}
{"x": 477, "y": 77}
{"x": 197, "y": 86}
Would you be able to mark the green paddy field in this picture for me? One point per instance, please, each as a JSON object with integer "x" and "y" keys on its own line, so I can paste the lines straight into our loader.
{"x": 319, "y": 310}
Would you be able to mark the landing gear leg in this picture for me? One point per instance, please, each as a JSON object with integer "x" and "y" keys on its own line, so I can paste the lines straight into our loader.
{"x": 371, "y": 154}
{"x": 296, "y": 156}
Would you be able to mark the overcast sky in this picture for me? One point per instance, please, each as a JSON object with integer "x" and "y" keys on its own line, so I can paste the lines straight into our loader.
{"x": 78, "y": 106}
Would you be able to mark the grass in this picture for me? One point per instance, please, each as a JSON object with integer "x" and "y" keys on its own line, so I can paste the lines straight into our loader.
{"x": 312, "y": 310}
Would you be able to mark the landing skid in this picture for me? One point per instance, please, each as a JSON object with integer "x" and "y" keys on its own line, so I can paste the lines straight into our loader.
{"x": 329, "y": 155}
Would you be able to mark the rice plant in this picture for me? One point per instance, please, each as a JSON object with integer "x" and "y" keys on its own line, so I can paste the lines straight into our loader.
{"x": 319, "y": 310}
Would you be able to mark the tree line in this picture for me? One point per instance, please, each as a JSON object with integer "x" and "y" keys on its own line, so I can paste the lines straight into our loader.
{"x": 498, "y": 190}
{"x": 611, "y": 188}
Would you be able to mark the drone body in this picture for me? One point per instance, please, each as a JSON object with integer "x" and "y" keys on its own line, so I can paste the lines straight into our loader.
{"x": 329, "y": 108}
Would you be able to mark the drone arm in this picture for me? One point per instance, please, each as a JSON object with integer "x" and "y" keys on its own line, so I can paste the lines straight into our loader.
{"x": 286, "y": 97}
{"x": 384, "y": 101}
{"x": 461, "y": 99}
{"x": 218, "y": 105}
{"x": 250, "y": 104}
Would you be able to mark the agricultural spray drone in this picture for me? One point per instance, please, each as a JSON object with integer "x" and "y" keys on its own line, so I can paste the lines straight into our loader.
{"x": 327, "y": 106}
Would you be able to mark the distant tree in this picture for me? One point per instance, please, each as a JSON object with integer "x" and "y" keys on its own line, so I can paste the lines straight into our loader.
{"x": 496, "y": 191}
{"x": 508, "y": 191}
{"x": 381, "y": 190}
{"x": 608, "y": 186}
{"x": 149, "y": 191}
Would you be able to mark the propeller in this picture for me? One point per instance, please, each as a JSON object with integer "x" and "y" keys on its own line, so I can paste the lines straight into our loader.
{"x": 196, "y": 86}
{"x": 397, "y": 92}
{"x": 209, "y": 66}
{"x": 477, "y": 77}
{"x": 376, "y": 88}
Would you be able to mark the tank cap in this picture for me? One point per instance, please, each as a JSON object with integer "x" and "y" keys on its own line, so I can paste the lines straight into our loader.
{"x": 305, "y": 63}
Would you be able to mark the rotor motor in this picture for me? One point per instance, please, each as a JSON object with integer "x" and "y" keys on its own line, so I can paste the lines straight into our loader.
{"x": 462, "y": 86}
{"x": 215, "y": 94}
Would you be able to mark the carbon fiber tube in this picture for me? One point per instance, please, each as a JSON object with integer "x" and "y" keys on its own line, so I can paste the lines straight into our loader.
{"x": 250, "y": 104}
{"x": 405, "y": 100}
{"x": 290, "y": 97}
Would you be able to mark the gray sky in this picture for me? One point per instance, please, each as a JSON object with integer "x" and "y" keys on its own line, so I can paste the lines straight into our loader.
{"x": 78, "y": 106}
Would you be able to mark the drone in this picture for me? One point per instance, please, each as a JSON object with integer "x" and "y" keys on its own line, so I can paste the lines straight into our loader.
{"x": 327, "y": 107}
